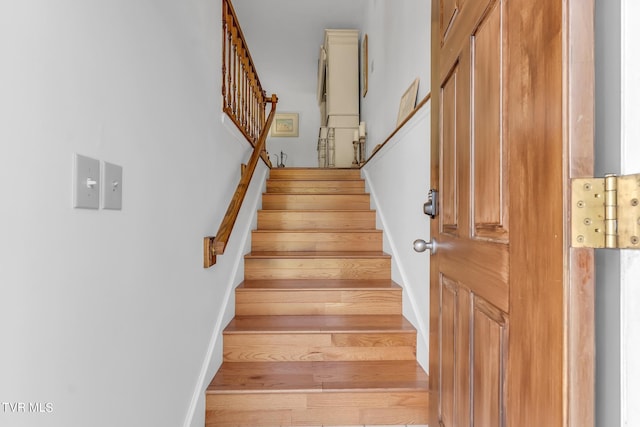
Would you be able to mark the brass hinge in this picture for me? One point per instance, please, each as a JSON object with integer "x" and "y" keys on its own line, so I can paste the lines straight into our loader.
{"x": 605, "y": 212}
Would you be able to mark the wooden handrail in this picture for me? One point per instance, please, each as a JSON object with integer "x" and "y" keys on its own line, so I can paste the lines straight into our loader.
{"x": 245, "y": 102}
{"x": 216, "y": 245}
{"x": 421, "y": 104}
{"x": 243, "y": 98}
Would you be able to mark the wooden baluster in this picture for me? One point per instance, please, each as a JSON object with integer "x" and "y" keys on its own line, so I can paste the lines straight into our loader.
{"x": 230, "y": 69}
{"x": 241, "y": 87}
{"x": 240, "y": 83}
{"x": 254, "y": 123}
{"x": 232, "y": 76}
{"x": 243, "y": 82}
{"x": 250, "y": 118}
{"x": 250, "y": 87}
{"x": 224, "y": 51}
{"x": 229, "y": 66}
{"x": 252, "y": 111}
{"x": 256, "y": 118}
{"x": 249, "y": 100}
{"x": 246, "y": 90}
{"x": 263, "y": 106}
{"x": 238, "y": 77}
{"x": 256, "y": 109}
{"x": 240, "y": 71}
{"x": 236, "y": 72}
{"x": 251, "y": 107}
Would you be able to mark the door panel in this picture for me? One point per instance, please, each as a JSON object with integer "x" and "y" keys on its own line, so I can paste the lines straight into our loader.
{"x": 455, "y": 353}
{"x": 482, "y": 266}
{"x": 489, "y": 339}
{"x": 449, "y": 153}
{"x": 449, "y": 303}
{"x": 487, "y": 144}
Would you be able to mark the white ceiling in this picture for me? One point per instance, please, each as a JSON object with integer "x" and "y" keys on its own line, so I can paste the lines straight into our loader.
{"x": 284, "y": 37}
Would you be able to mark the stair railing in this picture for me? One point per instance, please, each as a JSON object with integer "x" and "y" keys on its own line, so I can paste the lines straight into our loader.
{"x": 242, "y": 95}
{"x": 245, "y": 102}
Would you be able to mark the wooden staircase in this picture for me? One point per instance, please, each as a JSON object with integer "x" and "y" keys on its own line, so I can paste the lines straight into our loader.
{"x": 319, "y": 337}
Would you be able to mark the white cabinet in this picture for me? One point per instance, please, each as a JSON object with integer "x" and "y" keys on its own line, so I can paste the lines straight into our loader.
{"x": 339, "y": 94}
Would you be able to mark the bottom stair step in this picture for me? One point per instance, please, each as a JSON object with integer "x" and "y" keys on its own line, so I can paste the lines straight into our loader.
{"x": 318, "y": 393}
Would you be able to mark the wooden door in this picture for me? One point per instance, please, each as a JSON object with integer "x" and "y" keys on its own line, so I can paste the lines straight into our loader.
{"x": 511, "y": 341}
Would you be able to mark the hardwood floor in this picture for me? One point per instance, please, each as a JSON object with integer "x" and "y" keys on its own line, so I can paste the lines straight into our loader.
{"x": 319, "y": 337}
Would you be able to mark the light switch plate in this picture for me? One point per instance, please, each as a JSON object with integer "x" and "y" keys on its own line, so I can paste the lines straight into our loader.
{"x": 111, "y": 186}
{"x": 86, "y": 182}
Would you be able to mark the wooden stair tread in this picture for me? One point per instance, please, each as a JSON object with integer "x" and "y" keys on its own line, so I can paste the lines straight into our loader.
{"x": 315, "y": 173}
{"x": 310, "y": 182}
{"x": 319, "y": 324}
{"x": 354, "y": 186}
{"x": 311, "y": 201}
{"x": 317, "y": 254}
{"x": 304, "y": 219}
{"x": 317, "y": 231}
{"x": 363, "y": 197}
{"x": 323, "y": 180}
{"x": 307, "y": 284}
{"x": 315, "y": 240}
{"x": 312, "y": 195}
{"x": 275, "y": 377}
{"x": 316, "y": 178}
{"x": 306, "y": 211}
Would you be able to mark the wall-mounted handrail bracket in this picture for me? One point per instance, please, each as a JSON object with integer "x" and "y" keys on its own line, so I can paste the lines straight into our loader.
{"x": 209, "y": 252}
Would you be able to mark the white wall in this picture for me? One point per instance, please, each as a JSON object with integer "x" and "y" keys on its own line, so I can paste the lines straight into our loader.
{"x": 108, "y": 316}
{"x": 398, "y": 176}
{"x": 630, "y": 260}
{"x": 399, "y": 51}
{"x": 299, "y": 151}
{"x": 398, "y": 179}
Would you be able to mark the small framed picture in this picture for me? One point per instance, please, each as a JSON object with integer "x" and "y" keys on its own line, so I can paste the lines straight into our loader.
{"x": 364, "y": 63}
{"x": 285, "y": 125}
{"x": 408, "y": 101}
